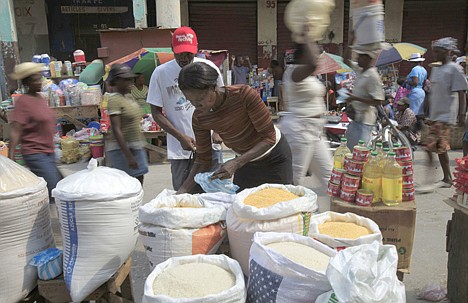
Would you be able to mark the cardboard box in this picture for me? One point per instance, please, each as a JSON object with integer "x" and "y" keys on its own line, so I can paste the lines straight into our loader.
{"x": 397, "y": 224}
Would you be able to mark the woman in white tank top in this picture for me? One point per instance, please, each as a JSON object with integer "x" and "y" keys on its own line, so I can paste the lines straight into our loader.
{"x": 301, "y": 124}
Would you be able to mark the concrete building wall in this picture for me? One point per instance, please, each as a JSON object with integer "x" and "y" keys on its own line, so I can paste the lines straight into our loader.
{"x": 8, "y": 46}
{"x": 266, "y": 32}
{"x": 393, "y": 20}
{"x": 31, "y": 25}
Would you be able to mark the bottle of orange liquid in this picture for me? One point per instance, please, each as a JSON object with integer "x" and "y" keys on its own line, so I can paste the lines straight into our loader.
{"x": 340, "y": 153}
{"x": 392, "y": 182}
{"x": 372, "y": 177}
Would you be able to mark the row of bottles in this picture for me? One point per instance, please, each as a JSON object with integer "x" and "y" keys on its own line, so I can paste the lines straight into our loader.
{"x": 382, "y": 174}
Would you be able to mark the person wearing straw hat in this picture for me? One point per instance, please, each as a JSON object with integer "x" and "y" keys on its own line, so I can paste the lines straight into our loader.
{"x": 416, "y": 79}
{"x": 447, "y": 106}
{"x": 124, "y": 141}
{"x": 367, "y": 93}
{"x": 33, "y": 125}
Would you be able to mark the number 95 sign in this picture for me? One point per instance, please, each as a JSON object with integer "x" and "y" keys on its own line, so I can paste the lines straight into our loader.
{"x": 270, "y": 3}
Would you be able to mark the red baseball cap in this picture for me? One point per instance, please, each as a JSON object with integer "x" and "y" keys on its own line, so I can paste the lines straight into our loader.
{"x": 184, "y": 40}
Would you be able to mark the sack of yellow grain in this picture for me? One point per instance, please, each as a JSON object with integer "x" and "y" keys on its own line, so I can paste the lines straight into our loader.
{"x": 180, "y": 225}
{"x": 343, "y": 230}
{"x": 269, "y": 207}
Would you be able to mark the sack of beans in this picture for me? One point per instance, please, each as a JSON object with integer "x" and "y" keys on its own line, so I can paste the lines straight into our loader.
{"x": 180, "y": 225}
{"x": 343, "y": 230}
{"x": 286, "y": 267}
{"x": 196, "y": 279}
{"x": 269, "y": 207}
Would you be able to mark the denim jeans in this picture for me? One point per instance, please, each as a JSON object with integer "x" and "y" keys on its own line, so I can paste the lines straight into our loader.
{"x": 43, "y": 165}
{"x": 358, "y": 131}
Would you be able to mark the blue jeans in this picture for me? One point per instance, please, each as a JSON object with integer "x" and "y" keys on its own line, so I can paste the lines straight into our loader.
{"x": 358, "y": 131}
{"x": 43, "y": 165}
{"x": 119, "y": 161}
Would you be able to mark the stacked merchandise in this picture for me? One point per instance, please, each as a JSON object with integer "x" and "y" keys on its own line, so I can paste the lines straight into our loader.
{"x": 461, "y": 181}
{"x": 367, "y": 177}
{"x": 368, "y": 25}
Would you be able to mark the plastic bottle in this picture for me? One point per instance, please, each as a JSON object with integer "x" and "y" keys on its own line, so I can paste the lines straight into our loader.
{"x": 379, "y": 150}
{"x": 45, "y": 59}
{"x": 372, "y": 177}
{"x": 361, "y": 143}
{"x": 340, "y": 153}
{"x": 384, "y": 159}
{"x": 392, "y": 182}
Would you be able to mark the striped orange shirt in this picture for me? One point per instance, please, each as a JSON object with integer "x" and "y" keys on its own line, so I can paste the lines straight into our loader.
{"x": 242, "y": 121}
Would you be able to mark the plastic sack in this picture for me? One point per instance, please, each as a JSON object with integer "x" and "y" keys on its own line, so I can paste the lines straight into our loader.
{"x": 243, "y": 221}
{"x": 216, "y": 185}
{"x": 25, "y": 228}
{"x": 180, "y": 225}
{"x": 48, "y": 263}
{"x": 235, "y": 294}
{"x": 433, "y": 293}
{"x": 328, "y": 297}
{"x": 70, "y": 152}
{"x": 315, "y": 13}
{"x": 98, "y": 215}
{"x": 347, "y": 217}
{"x": 366, "y": 274}
{"x": 275, "y": 278}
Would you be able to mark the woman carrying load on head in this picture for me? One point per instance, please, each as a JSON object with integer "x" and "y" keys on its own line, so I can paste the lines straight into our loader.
{"x": 239, "y": 116}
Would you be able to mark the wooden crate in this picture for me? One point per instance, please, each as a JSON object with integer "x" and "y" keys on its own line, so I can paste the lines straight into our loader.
{"x": 117, "y": 289}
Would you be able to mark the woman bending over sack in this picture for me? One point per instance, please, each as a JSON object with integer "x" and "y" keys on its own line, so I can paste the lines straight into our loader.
{"x": 239, "y": 116}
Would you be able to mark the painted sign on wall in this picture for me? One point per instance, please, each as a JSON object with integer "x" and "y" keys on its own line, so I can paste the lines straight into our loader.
{"x": 30, "y": 16}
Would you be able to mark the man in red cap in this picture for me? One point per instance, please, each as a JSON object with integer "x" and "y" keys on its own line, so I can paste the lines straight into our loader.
{"x": 164, "y": 93}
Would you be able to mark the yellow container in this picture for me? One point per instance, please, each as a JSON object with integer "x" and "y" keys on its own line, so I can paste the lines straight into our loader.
{"x": 339, "y": 154}
{"x": 372, "y": 177}
{"x": 392, "y": 182}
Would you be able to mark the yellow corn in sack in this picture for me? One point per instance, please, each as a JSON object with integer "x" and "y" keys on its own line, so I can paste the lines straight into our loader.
{"x": 268, "y": 197}
{"x": 343, "y": 230}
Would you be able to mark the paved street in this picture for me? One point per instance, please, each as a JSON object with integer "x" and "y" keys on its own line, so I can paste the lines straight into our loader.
{"x": 429, "y": 260}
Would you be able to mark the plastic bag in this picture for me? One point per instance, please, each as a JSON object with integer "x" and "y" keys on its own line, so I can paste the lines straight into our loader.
{"x": 216, "y": 185}
{"x": 275, "y": 278}
{"x": 235, "y": 294}
{"x": 48, "y": 263}
{"x": 348, "y": 217}
{"x": 14, "y": 177}
{"x": 366, "y": 274}
{"x": 433, "y": 292}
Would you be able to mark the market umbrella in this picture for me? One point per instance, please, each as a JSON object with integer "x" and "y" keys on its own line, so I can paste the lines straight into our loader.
{"x": 329, "y": 63}
{"x": 145, "y": 60}
{"x": 398, "y": 52}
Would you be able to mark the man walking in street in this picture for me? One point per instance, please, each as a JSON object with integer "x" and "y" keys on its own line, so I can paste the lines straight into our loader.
{"x": 164, "y": 93}
{"x": 447, "y": 106}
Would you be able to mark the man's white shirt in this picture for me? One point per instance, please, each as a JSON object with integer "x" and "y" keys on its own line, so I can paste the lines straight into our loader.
{"x": 164, "y": 92}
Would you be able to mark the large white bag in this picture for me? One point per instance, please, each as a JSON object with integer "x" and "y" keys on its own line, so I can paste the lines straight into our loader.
{"x": 180, "y": 225}
{"x": 25, "y": 228}
{"x": 347, "y": 217}
{"x": 98, "y": 213}
{"x": 314, "y": 13}
{"x": 277, "y": 279}
{"x": 235, "y": 294}
{"x": 366, "y": 274}
{"x": 290, "y": 216}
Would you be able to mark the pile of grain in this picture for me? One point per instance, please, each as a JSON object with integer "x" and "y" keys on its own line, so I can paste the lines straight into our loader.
{"x": 268, "y": 197}
{"x": 302, "y": 254}
{"x": 193, "y": 280}
{"x": 344, "y": 230}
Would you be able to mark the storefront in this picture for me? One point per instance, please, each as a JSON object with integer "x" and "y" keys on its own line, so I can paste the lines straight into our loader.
{"x": 425, "y": 21}
{"x": 73, "y": 24}
{"x": 227, "y": 25}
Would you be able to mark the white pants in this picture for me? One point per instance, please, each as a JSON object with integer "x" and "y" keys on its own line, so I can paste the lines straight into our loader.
{"x": 310, "y": 153}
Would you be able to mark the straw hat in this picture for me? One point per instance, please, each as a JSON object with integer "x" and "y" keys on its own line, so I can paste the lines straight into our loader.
{"x": 26, "y": 69}
{"x": 416, "y": 57}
